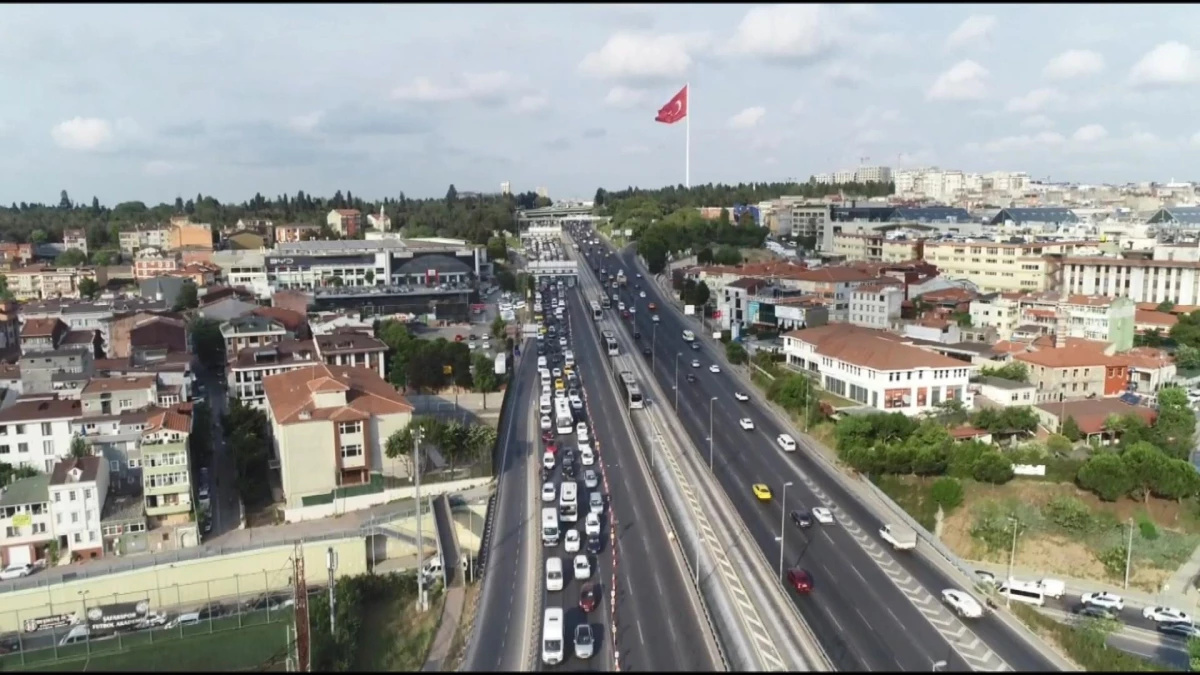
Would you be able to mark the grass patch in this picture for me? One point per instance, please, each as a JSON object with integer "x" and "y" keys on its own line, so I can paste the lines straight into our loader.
{"x": 835, "y": 400}
{"x": 394, "y": 637}
{"x": 911, "y": 494}
{"x": 1085, "y": 645}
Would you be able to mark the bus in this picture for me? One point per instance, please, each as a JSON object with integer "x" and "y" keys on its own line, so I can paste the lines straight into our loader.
{"x": 1023, "y": 591}
{"x": 552, "y": 637}
{"x": 605, "y": 302}
{"x": 568, "y": 502}
{"x": 597, "y": 314}
{"x": 610, "y": 343}
{"x": 564, "y": 421}
{"x": 633, "y": 393}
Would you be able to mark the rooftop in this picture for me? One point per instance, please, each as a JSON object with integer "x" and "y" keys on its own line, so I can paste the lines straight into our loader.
{"x": 40, "y": 407}
{"x": 89, "y": 469}
{"x": 1001, "y": 383}
{"x": 100, "y": 385}
{"x": 1090, "y": 414}
{"x": 869, "y": 348}
{"x": 32, "y": 490}
{"x": 290, "y": 394}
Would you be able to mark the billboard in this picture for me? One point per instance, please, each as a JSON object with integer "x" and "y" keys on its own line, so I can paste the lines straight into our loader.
{"x": 274, "y": 262}
{"x": 116, "y": 616}
{"x": 739, "y": 209}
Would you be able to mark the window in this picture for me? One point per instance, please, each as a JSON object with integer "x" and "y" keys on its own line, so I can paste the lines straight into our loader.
{"x": 71, "y": 494}
{"x": 114, "y": 466}
{"x": 133, "y": 463}
{"x": 92, "y": 535}
{"x": 74, "y": 516}
{"x": 58, "y": 518}
{"x": 48, "y": 447}
{"x": 58, "y": 496}
{"x": 22, "y": 447}
{"x": 78, "y": 538}
{"x": 3, "y": 449}
{"x": 355, "y": 450}
{"x": 45, "y": 429}
{"x": 345, "y": 428}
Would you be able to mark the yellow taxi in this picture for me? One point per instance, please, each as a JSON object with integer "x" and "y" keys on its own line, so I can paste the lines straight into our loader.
{"x": 542, "y": 330}
{"x": 558, "y": 385}
{"x": 761, "y": 491}
{"x": 567, "y": 370}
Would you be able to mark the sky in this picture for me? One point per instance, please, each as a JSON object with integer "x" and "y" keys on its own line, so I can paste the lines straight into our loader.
{"x": 150, "y": 102}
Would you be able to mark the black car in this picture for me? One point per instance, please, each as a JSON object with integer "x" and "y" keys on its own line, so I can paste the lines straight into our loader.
{"x": 696, "y": 346}
{"x": 594, "y": 544}
{"x": 570, "y": 470}
{"x": 801, "y": 518}
{"x": 547, "y": 474}
{"x": 637, "y": 335}
{"x": 691, "y": 377}
{"x": 1095, "y": 612}
{"x": 1180, "y": 629}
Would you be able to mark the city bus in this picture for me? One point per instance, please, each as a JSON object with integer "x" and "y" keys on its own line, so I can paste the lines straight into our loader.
{"x": 633, "y": 393}
{"x": 564, "y": 421}
{"x": 597, "y": 314}
{"x": 610, "y": 343}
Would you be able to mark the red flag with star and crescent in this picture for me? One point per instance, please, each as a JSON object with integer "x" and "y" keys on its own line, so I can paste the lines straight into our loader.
{"x": 675, "y": 109}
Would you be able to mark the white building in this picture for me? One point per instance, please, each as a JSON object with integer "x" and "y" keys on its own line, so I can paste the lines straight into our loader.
{"x": 245, "y": 269}
{"x": 878, "y": 369}
{"x": 78, "y": 488}
{"x": 875, "y": 305}
{"x": 873, "y": 174}
{"x": 1169, "y": 277}
{"x": 1001, "y": 311}
{"x": 26, "y": 523}
{"x": 36, "y": 431}
{"x": 1007, "y": 393}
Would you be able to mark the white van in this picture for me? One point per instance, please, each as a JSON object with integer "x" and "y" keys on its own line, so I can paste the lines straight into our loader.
{"x": 544, "y": 406}
{"x": 552, "y": 636}
{"x": 569, "y": 357}
{"x": 1053, "y": 588}
{"x": 554, "y": 573}
{"x": 1023, "y": 591}
{"x": 76, "y": 635}
{"x": 550, "y": 526}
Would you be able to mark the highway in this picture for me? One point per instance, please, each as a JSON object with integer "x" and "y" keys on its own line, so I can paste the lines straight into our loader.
{"x": 858, "y": 611}
{"x": 504, "y": 629}
{"x": 659, "y": 627}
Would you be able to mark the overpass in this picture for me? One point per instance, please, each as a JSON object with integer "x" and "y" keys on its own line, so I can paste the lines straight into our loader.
{"x": 553, "y": 268}
{"x": 554, "y": 212}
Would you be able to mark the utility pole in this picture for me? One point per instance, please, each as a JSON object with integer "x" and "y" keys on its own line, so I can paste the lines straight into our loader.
{"x": 710, "y": 432}
{"x": 331, "y": 562}
{"x": 1129, "y": 553}
{"x": 1012, "y": 558}
{"x": 420, "y": 528}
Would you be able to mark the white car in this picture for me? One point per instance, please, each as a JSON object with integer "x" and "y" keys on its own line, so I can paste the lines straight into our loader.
{"x": 620, "y": 306}
{"x": 632, "y": 309}
{"x": 740, "y": 396}
{"x": 559, "y": 393}
{"x": 786, "y": 442}
{"x": 557, "y": 372}
{"x": 549, "y": 491}
{"x": 486, "y": 345}
{"x": 1104, "y": 599}
{"x": 642, "y": 294}
{"x": 571, "y": 541}
{"x": 583, "y": 568}
{"x": 548, "y": 461}
{"x": 746, "y": 423}
{"x": 695, "y": 363}
{"x": 576, "y": 403}
{"x": 15, "y": 571}
{"x": 654, "y": 318}
{"x": 822, "y": 515}
{"x": 581, "y": 432}
{"x": 714, "y": 368}
{"x": 962, "y": 603}
{"x": 562, "y": 342}
{"x": 471, "y": 344}
{"x": 586, "y": 457}
{"x": 545, "y": 423}
{"x": 590, "y": 479}
{"x": 591, "y": 524}
{"x": 554, "y": 573}
{"x": 1166, "y": 615}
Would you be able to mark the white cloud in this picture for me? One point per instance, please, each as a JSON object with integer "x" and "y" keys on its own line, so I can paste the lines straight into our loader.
{"x": 162, "y": 167}
{"x": 964, "y": 81}
{"x": 1036, "y": 122}
{"x": 83, "y": 133}
{"x": 635, "y": 150}
{"x": 1021, "y": 142}
{"x": 475, "y": 87}
{"x": 531, "y": 103}
{"x": 798, "y": 106}
{"x": 974, "y": 30}
{"x": 1089, "y": 133}
{"x": 1168, "y": 64}
{"x": 1035, "y": 100}
{"x": 624, "y": 97}
{"x": 747, "y": 118}
{"x": 1196, "y": 138}
{"x": 1072, "y": 64}
{"x": 875, "y": 117}
{"x": 845, "y": 75}
{"x": 642, "y": 56}
{"x": 305, "y": 123}
{"x": 783, "y": 32}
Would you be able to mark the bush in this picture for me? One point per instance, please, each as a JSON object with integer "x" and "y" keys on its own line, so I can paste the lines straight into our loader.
{"x": 1070, "y": 514}
{"x": 1147, "y": 528}
{"x": 1059, "y": 444}
{"x": 1086, "y": 647}
{"x": 947, "y": 493}
{"x": 992, "y": 467}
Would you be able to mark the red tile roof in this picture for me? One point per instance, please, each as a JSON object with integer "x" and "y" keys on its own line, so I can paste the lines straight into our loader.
{"x": 290, "y": 394}
{"x": 869, "y": 348}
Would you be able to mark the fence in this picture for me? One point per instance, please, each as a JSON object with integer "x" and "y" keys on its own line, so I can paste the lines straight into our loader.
{"x": 363, "y": 501}
{"x": 91, "y": 626}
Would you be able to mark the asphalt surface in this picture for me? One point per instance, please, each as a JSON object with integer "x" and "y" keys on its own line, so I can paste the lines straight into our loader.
{"x": 863, "y": 621}
{"x": 504, "y": 623}
{"x": 653, "y": 598}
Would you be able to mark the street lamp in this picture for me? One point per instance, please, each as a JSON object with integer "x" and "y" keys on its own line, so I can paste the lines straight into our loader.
{"x": 677, "y": 355}
{"x": 782, "y": 524}
{"x": 1129, "y": 553}
{"x": 1012, "y": 557}
{"x": 710, "y": 432}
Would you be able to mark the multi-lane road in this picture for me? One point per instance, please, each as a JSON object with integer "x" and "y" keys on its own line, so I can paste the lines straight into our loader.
{"x": 861, "y": 610}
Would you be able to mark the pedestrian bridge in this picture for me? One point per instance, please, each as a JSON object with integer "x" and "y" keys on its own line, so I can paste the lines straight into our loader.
{"x": 553, "y": 268}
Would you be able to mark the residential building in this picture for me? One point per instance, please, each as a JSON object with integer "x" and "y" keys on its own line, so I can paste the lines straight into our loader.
{"x": 162, "y": 287}
{"x": 784, "y": 313}
{"x": 1005, "y": 393}
{"x": 345, "y": 347}
{"x": 185, "y": 234}
{"x": 875, "y": 305}
{"x": 10, "y": 325}
{"x": 1001, "y": 311}
{"x": 117, "y": 439}
{"x": 346, "y": 222}
{"x": 153, "y": 337}
{"x": 152, "y": 262}
{"x": 878, "y": 369}
{"x": 1164, "y": 278}
{"x": 878, "y": 247}
{"x": 1097, "y": 318}
{"x": 1149, "y": 369}
{"x": 115, "y": 395}
{"x": 55, "y": 359}
{"x": 733, "y": 303}
{"x": 78, "y": 488}
{"x": 36, "y": 431}
{"x": 1074, "y": 368}
{"x": 933, "y": 329}
{"x": 246, "y": 269}
{"x": 16, "y": 254}
{"x": 26, "y": 522}
{"x": 98, "y": 314}
{"x": 329, "y": 425}
{"x": 1090, "y": 415}
{"x": 295, "y": 232}
{"x": 173, "y": 370}
{"x": 201, "y": 274}
{"x": 342, "y": 348}
{"x": 132, "y": 241}
{"x": 120, "y": 344}
{"x": 1146, "y": 320}
{"x": 353, "y": 321}
{"x": 1002, "y": 267}
{"x": 251, "y": 330}
{"x": 873, "y": 174}
{"x": 75, "y": 240}
{"x": 294, "y": 322}
{"x": 37, "y": 282}
{"x": 166, "y": 469}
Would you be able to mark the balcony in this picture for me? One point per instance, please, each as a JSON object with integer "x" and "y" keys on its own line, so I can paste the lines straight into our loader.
{"x": 180, "y": 487}
{"x": 168, "y": 506}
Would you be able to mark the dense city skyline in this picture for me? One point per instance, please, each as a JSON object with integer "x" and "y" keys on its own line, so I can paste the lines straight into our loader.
{"x": 177, "y": 100}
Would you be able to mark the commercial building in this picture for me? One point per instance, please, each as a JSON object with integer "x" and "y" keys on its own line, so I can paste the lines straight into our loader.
{"x": 878, "y": 369}
{"x": 1171, "y": 275}
{"x": 329, "y": 426}
{"x": 1003, "y": 267}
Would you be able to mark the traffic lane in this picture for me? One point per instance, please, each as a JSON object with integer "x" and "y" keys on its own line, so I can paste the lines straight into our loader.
{"x": 655, "y": 587}
{"x": 894, "y": 636}
{"x": 1009, "y": 646}
{"x": 1130, "y": 616}
{"x": 499, "y": 641}
{"x": 1156, "y": 648}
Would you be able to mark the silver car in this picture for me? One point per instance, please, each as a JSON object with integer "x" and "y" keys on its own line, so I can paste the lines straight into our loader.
{"x": 590, "y": 479}
{"x": 583, "y": 641}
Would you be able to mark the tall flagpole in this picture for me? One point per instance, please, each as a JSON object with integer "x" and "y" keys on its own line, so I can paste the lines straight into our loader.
{"x": 687, "y": 144}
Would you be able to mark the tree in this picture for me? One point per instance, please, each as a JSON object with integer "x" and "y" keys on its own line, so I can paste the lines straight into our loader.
{"x": 498, "y": 327}
{"x": 506, "y": 281}
{"x": 736, "y": 353}
{"x": 497, "y": 249}
{"x": 1144, "y": 463}
{"x": 64, "y": 201}
{"x": 369, "y": 277}
{"x": 106, "y": 258}
{"x": 79, "y": 447}
{"x": 5, "y": 294}
{"x": 1177, "y": 479}
{"x": 947, "y": 493}
{"x": 1106, "y": 475}
{"x": 10, "y": 473}
{"x": 38, "y": 237}
{"x": 485, "y": 378}
{"x": 88, "y": 287}
{"x": 993, "y": 468}
{"x": 207, "y": 342}
{"x": 702, "y": 294}
{"x": 188, "y": 298}
{"x": 1015, "y": 371}
{"x": 71, "y": 257}
{"x": 1070, "y": 429}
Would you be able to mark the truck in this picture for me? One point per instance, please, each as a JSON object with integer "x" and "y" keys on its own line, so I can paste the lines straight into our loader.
{"x": 901, "y": 537}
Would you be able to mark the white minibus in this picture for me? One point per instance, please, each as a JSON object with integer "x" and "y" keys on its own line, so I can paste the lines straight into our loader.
{"x": 550, "y": 526}
{"x": 552, "y": 636}
{"x": 1023, "y": 591}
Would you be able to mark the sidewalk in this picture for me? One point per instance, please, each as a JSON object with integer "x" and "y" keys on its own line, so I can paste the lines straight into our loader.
{"x": 452, "y": 611}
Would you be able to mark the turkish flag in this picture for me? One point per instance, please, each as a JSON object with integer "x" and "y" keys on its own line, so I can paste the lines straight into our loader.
{"x": 675, "y": 109}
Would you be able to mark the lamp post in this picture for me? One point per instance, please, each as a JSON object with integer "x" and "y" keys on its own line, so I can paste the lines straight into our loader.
{"x": 1129, "y": 553}
{"x": 1012, "y": 557}
{"x": 782, "y": 525}
{"x": 420, "y": 539}
{"x": 677, "y": 355}
{"x": 710, "y": 432}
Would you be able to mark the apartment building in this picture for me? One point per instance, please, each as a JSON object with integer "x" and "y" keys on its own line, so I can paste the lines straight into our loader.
{"x": 98, "y": 314}
{"x": 1001, "y": 311}
{"x": 1007, "y": 393}
{"x": 346, "y": 222}
{"x": 132, "y": 241}
{"x": 733, "y": 302}
{"x": 75, "y": 240}
{"x": 878, "y": 369}
{"x": 329, "y": 425}
{"x": 184, "y": 234}
{"x": 115, "y": 395}
{"x": 37, "y": 282}
{"x": 878, "y": 248}
{"x": 294, "y": 232}
{"x": 166, "y": 469}
{"x": 1002, "y": 267}
{"x": 1155, "y": 280}
{"x": 1074, "y": 368}
{"x": 26, "y": 522}
{"x": 152, "y": 262}
{"x": 251, "y": 330}
{"x": 875, "y": 305}
{"x": 36, "y": 431}
{"x": 78, "y": 489}
{"x": 246, "y": 373}
{"x": 247, "y": 269}
{"x": 1098, "y": 318}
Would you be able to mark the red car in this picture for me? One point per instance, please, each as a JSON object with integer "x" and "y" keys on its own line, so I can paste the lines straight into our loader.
{"x": 800, "y": 580}
{"x": 547, "y": 436}
{"x": 625, "y": 314}
{"x": 589, "y": 597}
{"x": 552, "y": 448}
{"x": 458, "y": 338}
